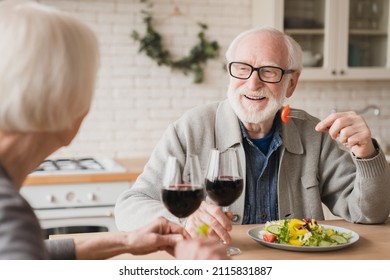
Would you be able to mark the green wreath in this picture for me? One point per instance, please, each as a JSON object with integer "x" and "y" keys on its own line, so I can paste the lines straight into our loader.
{"x": 194, "y": 62}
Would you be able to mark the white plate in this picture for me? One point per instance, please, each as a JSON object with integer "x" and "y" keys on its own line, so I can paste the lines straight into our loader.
{"x": 254, "y": 234}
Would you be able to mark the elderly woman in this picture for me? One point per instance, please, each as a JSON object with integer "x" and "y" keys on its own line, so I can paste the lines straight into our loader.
{"x": 47, "y": 77}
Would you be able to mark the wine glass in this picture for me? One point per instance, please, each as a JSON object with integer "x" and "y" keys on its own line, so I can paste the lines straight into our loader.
{"x": 182, "y": 195}
{"x": 224, "y": 183}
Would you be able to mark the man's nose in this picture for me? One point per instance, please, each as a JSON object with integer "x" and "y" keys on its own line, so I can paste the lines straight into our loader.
{"x": 254, "y": 82}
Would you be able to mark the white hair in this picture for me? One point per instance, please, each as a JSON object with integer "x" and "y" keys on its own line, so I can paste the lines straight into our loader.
{"x": 293, "y": 48}
{"x": 47, "y": 70}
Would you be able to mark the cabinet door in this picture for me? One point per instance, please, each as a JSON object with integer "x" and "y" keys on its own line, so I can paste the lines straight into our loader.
{"x": 363, "y": 41}
{"x": 340, "y": 39}
{"x": 307, "y": 22}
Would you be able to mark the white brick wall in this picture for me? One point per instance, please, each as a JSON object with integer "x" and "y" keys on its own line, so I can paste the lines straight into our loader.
{"x": 136, "y": 99}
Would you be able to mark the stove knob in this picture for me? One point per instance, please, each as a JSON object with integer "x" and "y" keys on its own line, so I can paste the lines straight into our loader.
{"x": 91, "y": 196}
{"x": 50, "y": 198}
{"x": 70, "y": 196}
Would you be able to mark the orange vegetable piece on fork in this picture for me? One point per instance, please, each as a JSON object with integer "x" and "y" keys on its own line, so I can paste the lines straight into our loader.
{"x": 286, "y": 114}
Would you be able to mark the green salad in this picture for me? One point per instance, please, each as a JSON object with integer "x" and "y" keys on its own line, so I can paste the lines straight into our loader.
{"x": 305, "y": 232}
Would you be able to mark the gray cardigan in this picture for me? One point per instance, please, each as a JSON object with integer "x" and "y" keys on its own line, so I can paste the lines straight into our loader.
{"x": 20, "y": 233}
{"x": 313, "y": 169}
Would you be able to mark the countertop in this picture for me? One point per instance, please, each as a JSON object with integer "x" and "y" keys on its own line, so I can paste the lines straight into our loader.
{"x": 133, "y": 166}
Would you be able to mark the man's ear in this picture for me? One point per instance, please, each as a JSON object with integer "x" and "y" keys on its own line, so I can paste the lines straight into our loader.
{"x": 292, "y": 84}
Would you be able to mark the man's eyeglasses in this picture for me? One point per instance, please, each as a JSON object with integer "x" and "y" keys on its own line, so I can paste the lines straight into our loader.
{"x": 267, "y": 74}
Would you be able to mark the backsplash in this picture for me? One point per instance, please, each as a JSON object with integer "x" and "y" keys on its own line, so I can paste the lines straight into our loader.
{"x": 136, "y": 99}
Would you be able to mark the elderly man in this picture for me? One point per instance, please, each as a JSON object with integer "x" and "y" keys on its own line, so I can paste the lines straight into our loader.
{"x": 290, "y": 168}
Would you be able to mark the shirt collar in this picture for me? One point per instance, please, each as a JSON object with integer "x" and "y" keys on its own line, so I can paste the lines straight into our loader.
{"x": 228, "y": 131}
{"x": 275, "y": 127}
{"x": 285, "y": 133}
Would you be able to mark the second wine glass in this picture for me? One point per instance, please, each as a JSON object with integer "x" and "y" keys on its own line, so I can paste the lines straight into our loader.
{"x": 224, "y": 182}
{"x": 182, "y": 195}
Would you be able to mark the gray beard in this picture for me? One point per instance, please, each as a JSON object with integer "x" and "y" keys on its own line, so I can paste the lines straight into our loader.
{"x": 250, "y": 115}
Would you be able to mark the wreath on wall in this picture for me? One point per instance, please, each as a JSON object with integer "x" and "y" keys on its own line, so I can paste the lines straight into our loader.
{"x": 194, "y": 62}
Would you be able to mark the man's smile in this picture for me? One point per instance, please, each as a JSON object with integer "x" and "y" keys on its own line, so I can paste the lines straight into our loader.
{"x": 255, "y": 98}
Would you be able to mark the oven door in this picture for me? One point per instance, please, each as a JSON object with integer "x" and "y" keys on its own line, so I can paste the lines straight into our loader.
{"x": 76, "y": 220}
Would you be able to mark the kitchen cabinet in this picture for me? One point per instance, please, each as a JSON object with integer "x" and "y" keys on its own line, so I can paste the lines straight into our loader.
{"x": 340, "y": 39}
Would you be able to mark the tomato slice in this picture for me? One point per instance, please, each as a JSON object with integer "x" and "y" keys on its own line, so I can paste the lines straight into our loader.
{"x": 286, "y": 114}
{"x": 269, "y": 237}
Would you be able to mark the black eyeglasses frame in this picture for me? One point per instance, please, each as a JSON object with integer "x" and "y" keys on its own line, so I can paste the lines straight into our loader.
{"x": 257, "y": 69}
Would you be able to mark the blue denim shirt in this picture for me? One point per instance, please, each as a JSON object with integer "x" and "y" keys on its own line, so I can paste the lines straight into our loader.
{"x": 261, "y": 198}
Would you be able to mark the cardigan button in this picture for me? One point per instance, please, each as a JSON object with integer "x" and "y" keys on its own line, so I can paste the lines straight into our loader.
{"x": 235, "y": 218}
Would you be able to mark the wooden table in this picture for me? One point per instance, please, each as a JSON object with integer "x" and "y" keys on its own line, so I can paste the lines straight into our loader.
{"x": 373, "y": 244}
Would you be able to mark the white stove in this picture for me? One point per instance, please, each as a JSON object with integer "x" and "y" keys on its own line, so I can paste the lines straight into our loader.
{"x": 73, "y": 166}
{"x": 79, "y": 206}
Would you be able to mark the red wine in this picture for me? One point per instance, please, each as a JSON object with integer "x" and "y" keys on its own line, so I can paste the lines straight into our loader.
{"x": 224, "y": 191}
{"x": 182, "y": 200}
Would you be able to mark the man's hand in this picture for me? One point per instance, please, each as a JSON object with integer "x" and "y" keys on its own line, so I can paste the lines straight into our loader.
{"x": 218, "y": 221}
{"x": 351, "y": 130}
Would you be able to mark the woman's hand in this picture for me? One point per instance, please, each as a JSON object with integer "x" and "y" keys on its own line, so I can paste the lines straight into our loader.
{"x": 159, "y": 235}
